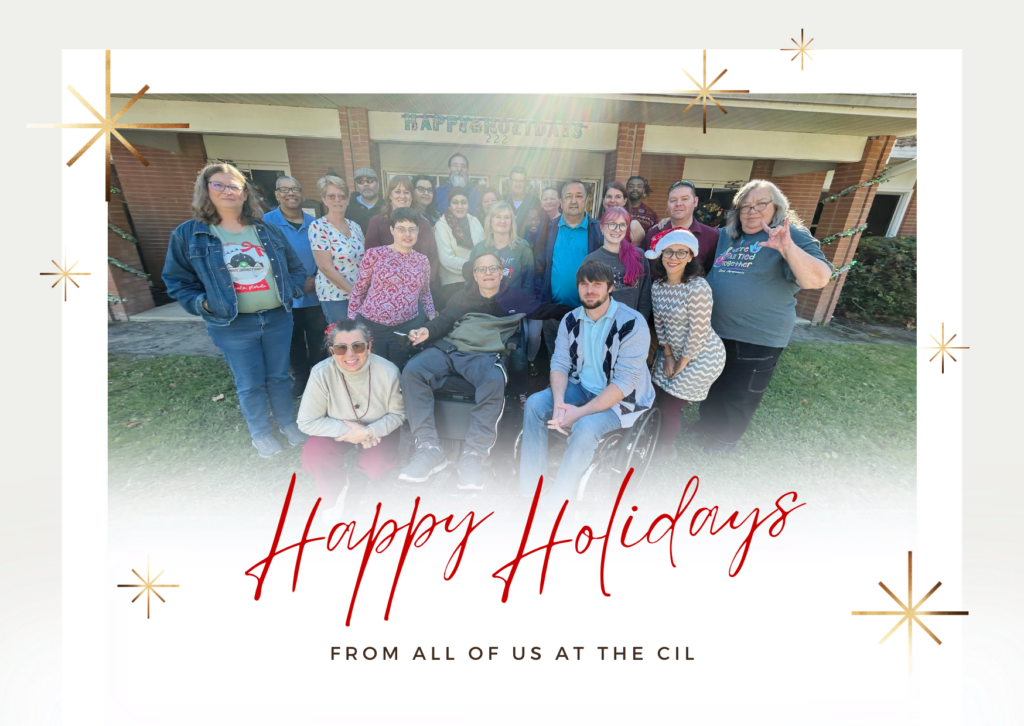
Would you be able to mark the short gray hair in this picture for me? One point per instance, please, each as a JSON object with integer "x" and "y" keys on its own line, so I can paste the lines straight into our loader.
{"x": 782, "y": 207}
{"x": 285, "y": 176}
{"x": 331, "y": 181}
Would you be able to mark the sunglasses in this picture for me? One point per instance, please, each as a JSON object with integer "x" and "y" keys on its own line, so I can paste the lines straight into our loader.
{"x": 359, "y": 347}
{"x": 683, "y": 184}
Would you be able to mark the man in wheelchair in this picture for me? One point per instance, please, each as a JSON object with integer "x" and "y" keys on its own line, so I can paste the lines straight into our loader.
{"x": 599, "y": 383}
{"x": 467, "y": 339}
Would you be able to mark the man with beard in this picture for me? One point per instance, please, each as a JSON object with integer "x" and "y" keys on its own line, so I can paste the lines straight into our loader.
{"x": 368, "y": 202}
{"x": 636, "y": 191}
{"x": 467, "y": 339}
{"x": 458, "y": 176}
{"x": 599, "y": 383}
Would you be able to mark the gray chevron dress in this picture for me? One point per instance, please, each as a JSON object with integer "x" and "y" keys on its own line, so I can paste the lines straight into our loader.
{"x": 682, "y": 318}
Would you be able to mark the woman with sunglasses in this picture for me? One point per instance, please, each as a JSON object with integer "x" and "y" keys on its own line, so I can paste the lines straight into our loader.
{"x": 691, "y": 355}
{"x": 632, "y": 286}
{"x": 765, "y": 256}
{"x": 240, "y": 276}
{"x": 353, "y": 400}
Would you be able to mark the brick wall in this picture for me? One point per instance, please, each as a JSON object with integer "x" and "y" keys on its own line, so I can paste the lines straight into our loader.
{"x": 134, "y": 290}
{"x": 908, "y": 227}
{"x": 844, "y": 213}
{"x": 762, "y": 169}
{"x": 660, "y": 172}
{"x": 625, "y": 161}
{"x": 309, "y": 160}
{"x": 159, "y": 197}
{"x": 803, "y": 192}
{"x": 355, "y": 140}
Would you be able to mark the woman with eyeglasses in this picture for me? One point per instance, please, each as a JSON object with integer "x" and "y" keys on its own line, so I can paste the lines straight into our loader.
{"x": 765, "y": 255}
{"x": 423, "y": 198}
{"x": 632, "y": 273}
{"x": 399, "y": 195}
{"x": 392, "y": 291}
{"x": 691, "y": 355}
{"x": 338, "y": 248}
{"x": 353, "y": 400}
{"x": 615, "y": 196}
{"x": 240, "y": 276}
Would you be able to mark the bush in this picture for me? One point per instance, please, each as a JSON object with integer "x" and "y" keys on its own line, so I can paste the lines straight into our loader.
{"x": 882, "y": 286}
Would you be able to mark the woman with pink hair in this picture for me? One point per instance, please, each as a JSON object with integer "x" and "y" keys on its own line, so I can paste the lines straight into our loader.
{"x": 632, "y": 286}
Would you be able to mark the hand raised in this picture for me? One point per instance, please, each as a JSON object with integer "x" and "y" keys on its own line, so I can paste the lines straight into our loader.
{"x": 778, "y": 238}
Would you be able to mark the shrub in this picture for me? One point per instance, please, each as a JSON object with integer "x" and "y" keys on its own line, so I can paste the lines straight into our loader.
{"x": 882, "y": 286}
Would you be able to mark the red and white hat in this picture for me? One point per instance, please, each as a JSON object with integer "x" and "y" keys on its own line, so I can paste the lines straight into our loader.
{"x": 677, "y": 236}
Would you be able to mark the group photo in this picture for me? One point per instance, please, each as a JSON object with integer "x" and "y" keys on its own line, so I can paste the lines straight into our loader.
{"x": 464, "y": 305}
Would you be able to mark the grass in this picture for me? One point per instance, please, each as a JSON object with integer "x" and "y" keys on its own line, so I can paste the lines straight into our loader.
{"x": 834, "y": 416}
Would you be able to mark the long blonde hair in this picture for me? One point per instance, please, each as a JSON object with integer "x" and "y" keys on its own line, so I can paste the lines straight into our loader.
{"x": 202, "y": 205}
{"x": 500, "y": 206}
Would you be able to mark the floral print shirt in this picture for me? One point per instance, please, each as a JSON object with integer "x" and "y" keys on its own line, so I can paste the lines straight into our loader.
{"x": 346, "y": 252}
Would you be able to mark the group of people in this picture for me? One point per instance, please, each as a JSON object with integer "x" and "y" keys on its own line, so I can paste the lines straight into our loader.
{"x": 418, "y": 284}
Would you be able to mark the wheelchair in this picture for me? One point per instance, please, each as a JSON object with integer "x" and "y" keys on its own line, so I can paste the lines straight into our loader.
{"x": 454, "y": 401}
{"x": 617, "y": 452}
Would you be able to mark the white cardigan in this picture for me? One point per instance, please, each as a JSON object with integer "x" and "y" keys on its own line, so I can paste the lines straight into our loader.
{"x": 449, "y": 254}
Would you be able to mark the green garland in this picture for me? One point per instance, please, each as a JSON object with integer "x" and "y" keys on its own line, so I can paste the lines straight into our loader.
{"x": 120, "y": 232}
{"x": 112, "y": 299}
{"x": 127, "y": 268}
{"x": 849, "y": 190}
{"x": 115, "y": 190}
{"x": 845, "y": 268}
{"x": 845, "y": 233}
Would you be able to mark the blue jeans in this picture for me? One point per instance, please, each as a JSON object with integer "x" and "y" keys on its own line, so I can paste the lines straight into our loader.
{"x": 256, "y": 347}
{"x": 335, "y": 310}
{"x": 586, "y": 433}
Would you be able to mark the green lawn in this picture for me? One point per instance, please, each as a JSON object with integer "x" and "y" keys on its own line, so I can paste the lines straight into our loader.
{"x": 833, "y": 413}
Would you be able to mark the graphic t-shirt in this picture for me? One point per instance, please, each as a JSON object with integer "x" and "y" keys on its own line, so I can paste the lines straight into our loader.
{"x": 754, "y": 288}
{"x": 251, "y": 271}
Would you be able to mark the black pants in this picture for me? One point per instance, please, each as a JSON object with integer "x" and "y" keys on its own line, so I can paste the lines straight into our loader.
{"x": 735, "y": 396}
{"x": 395, "y": 348}
{"x": 307, "y": 342}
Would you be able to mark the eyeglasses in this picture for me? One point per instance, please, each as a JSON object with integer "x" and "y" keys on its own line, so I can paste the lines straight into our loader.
{"x": 425, "y": 190}
{"x": 683, "y": 183}
{"x": 406, "y": 230}
{"x": 759, "y": 207}
{"x": 616, "y": 226}
{"x": 359, "y": 347}
{"x": 490, "y": 269}
{"x": 336, "y": 197}
{"x": 290, "y": 190}
{"x": 219, "y": 187}
{"x": 678, "y": 254}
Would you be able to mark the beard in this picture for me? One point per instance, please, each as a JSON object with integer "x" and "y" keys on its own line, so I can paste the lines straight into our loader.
{"x": 635, "y": 196}
{"x": 459, "y": 180}
{"x": 593, "y": 306}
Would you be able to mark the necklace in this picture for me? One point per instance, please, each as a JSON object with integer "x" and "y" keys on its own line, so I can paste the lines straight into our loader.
{"x": 369, "y": 389}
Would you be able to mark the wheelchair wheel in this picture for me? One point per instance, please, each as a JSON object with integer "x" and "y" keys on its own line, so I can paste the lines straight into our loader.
{"x": 638, "y": 450}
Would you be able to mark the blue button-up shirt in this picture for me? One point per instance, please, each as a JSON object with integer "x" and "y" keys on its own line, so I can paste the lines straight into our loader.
{"x": 592, "y": 375}
{"x": 299, "y": 240}
{"x": 567, "y": 256}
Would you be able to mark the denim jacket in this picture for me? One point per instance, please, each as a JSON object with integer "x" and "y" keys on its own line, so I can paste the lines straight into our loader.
{"x": 194, "y": 270}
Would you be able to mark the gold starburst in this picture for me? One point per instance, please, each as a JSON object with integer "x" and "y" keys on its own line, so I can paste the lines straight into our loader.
{"x": 148, "y": 586}
{"x": 704, "y": 91}
{"x": 944, "y": 347}
{"x": 65, "y": 275}
{"x": 910, "y": 612}
{"x": 801, "y": 49}
{"x": 108, "y": 126}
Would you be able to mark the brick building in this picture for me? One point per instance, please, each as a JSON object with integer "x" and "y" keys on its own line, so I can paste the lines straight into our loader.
{"x": 809, "y": 145}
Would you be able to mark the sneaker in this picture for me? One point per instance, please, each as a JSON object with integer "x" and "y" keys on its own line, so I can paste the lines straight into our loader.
{"x": 471, "y": 471}
{"x": 266, "y": 446}
{"x": 295, "y": 437}
{"x": 427, "y": 461}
